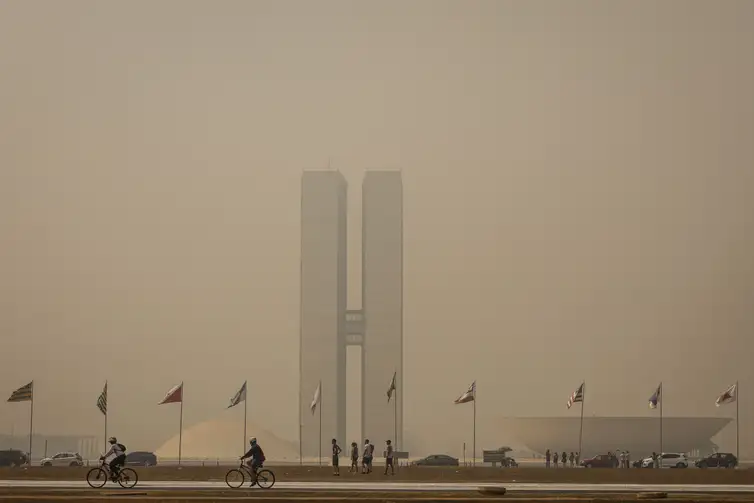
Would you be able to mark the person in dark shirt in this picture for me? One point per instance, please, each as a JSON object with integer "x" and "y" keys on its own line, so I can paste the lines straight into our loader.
{"x": 354, "y": 457}
{"x": 255, "y": 455}
{"x": 336, "y": 450}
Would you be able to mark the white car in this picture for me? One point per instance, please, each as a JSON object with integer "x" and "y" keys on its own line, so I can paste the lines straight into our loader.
{"x": 668, "y": 460}
{"x": 64, "y": 459}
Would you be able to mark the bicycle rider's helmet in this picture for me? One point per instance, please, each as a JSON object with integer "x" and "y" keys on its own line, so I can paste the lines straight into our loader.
{"x": 112, "y": 440}
{"x": 253, "y": 441}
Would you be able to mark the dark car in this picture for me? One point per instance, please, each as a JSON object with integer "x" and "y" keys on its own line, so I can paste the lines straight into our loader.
{"x": 141, "y": 458}
{"x": 599, "y": 461}
{"x": 437, "y": 460}
{"x": 718, "y": 460}
{"x": 13, "y": 457}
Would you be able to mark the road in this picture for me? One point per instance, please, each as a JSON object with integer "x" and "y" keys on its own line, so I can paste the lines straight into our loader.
{"x": 402, "y": 486}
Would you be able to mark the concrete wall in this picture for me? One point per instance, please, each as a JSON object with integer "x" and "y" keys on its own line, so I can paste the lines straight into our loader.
{"x": 323, "y": 306}
{"x": 382, "y": 301}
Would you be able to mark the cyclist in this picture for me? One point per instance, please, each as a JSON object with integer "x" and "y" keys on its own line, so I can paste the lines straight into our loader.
{"x": 118, "y": 451}
{"x": 255, "y": 454}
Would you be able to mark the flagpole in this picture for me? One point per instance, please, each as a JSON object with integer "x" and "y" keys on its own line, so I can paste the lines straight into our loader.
{"x": 245, "y": 415}
{"x": 737, "y": 396}
{"x": 473, "y": 436}
{"x": 31, "y": 421}
{"x": 581, "y": 422}
{"x": 320, "y": 423}
{"x": 180, "y": 428}
{"x": 661, "y": 398}
{"x": 106, "y": 412}
{"x": 395, "y": 415}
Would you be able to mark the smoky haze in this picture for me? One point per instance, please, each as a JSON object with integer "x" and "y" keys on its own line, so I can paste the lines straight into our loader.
{"x": 578, "y": 182}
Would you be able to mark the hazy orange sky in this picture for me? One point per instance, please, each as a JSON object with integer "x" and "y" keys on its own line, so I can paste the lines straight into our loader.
{"x": 578, "y": 181}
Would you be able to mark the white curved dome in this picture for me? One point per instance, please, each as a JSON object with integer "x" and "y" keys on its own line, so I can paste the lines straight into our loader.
{"x": 222, "y": 439}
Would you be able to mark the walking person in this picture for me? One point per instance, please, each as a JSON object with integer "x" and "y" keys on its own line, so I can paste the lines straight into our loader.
{"x": 389, "y": 457}
{"x": 336, "y": 450}
{"x": 366, "y": 460}
{"x": 564, "y": 459}
{"x": 547, "y": 458}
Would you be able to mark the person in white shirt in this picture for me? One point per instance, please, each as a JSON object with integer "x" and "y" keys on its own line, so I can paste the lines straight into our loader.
{"x": 118, "y": 454}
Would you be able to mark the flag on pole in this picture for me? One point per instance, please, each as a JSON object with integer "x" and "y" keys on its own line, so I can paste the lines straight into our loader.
{"x": 102, "y": 401}
{"x": 576, "y": 396}
{"x": 728, "y": 396}
{"x": 175, "y": 395}
{"x": 23, "y": 394}
{"x": 468, "y": 396}
{"x": 655, "y": 399}
{"x": 316, "y": 399}
{"x": 391, "y": 389}
{"x": 239, "y": 397}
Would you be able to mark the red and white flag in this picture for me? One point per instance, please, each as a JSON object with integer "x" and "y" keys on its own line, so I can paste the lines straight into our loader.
{"x": 175, "y": 395}
{"x": 728, "y": 396}
{"x": 469, "y": 396}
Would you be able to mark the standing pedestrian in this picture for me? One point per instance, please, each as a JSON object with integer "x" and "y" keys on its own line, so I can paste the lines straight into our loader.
{"x": 354, "y": 457}
{"x": 336, "y": 450}
{"x": 389, "y": 457}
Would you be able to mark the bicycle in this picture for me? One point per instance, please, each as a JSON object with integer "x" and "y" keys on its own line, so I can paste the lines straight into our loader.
{"x": 236, "y": 477}
{"x": 98, "y": 477}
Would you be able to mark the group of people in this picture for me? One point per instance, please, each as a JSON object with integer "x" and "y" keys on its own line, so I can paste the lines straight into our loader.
{"x": 562, "y": 458}
{"x": 622, "y": 458}
{"x": 367, "y": 456}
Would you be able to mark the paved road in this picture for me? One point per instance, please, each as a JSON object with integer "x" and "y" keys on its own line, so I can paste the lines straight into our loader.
{"x": 400, "y": 486}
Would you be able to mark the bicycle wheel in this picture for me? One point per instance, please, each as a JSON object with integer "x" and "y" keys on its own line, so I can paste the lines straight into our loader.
{"x": 234, "y": 478}
{"x": 265, "y": 479}
{"x": 127, "y": 478}
{"x": 96, "y": 478}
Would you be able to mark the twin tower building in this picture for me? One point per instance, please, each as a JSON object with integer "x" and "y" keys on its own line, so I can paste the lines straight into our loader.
{"x": 328, "y": 326}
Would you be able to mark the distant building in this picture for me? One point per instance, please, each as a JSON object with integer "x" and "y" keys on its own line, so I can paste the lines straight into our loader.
{"x": 328, "y": 326}
{"x": 639, "y": 435}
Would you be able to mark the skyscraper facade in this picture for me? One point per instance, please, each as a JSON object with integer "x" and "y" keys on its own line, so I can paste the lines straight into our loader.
{"x": 328, "y": 327}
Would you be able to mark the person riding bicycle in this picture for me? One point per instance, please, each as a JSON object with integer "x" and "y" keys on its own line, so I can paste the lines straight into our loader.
{"x": 118, "y": 451}
{"x": 255, "y": 454}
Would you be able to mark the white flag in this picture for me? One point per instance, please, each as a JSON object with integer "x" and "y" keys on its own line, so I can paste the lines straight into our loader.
{"x": 316, "y": 399}
{"x": 728, "y": 396}
{"x": 239, "y": 397}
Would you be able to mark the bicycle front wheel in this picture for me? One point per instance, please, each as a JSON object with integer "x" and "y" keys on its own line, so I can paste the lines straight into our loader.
{"x": 265, "y": 479}
{"x": 234, "y": 478}
{"x": 96, "y": 478}
{"x": 128, "y": 478}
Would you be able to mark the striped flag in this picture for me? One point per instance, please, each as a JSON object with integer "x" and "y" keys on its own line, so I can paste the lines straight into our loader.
{"x": 728, "y": 396}
{"x": 23, "y": 394}
{"x": 239, "y": 397}
{"x": 102, "y": 400}
{"x": 468, "y": 396}
{"x": 655, "y": 399}
{"x": 391, "y": 389}
{"x": 576, "y": 396}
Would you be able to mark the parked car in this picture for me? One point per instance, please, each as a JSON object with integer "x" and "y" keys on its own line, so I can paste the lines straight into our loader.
{"x": 437, "y": 460}
{"x": 141, "y": 458}
{"x": 599, "y": 461}
{"x": 718, "y": 460}
{"x": 63, "y": 459}
{"x": 12, "y": 457}
{"x": 668, "y": 460}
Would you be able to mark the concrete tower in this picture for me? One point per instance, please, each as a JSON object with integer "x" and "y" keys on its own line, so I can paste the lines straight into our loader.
{"x": 328, "y": 327}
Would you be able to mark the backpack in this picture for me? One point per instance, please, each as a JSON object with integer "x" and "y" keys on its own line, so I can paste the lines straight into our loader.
{"x": 122, "y": 447}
